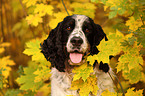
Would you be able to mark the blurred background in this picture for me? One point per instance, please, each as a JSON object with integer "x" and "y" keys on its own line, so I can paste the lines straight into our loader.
{"x": 24, "y": 20}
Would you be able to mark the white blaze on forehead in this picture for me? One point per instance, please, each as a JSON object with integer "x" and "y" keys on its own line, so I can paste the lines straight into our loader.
{"x": 78, "y": 32}
{"x": 80, "y": 20}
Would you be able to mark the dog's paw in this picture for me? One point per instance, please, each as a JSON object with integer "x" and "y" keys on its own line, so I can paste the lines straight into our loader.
{"x": 104, "y": 67}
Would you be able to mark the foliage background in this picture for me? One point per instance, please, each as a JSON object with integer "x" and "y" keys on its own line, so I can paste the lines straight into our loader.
{"x": 24, "y": 24}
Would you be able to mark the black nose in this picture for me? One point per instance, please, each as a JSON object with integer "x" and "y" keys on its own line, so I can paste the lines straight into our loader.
{"x": 76, "y": 41}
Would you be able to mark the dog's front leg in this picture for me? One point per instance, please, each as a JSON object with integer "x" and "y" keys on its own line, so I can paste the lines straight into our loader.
{"x": 104, "y": 80}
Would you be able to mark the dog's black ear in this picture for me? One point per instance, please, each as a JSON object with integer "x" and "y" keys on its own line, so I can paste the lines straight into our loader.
{"x": 52, "y": 48}
{"x": 98, "y": 35}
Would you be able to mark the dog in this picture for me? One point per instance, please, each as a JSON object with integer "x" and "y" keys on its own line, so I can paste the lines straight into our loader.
{"x": 67, "y": 46}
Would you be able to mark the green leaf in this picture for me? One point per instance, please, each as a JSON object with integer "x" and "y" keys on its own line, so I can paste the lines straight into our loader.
{"x": 27, "y": 80}
{"x": 121, "y": 11}
{"x": 96, "y": 1}
{"x": 112, "y": 14}
{"x": 104, "y": 1}
{"x": 29, "y": 93}
{"x": 13, "y": 92}
{"x": 33, "y": 49}
{"x": 83, "y": 72}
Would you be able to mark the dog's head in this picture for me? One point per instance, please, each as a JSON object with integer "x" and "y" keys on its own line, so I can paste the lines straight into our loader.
{"x": 73, "y": 38}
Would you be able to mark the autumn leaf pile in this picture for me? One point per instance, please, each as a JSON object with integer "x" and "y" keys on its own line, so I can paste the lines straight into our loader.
{"x": 122, "y": 21}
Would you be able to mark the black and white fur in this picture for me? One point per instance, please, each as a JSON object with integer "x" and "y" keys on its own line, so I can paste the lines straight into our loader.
{"x": 76, "y": 33}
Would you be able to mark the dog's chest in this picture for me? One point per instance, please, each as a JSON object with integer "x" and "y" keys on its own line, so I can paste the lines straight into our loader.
{"x": 60, "y": 83}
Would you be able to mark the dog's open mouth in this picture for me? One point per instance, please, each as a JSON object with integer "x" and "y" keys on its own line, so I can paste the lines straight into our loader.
{"x": 76, "y": 57}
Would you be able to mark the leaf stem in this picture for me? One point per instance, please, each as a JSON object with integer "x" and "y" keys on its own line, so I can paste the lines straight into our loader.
{"x": 118, "y": 82}
{"x": 25, "y": 13}
{"x": 142, "y": 20}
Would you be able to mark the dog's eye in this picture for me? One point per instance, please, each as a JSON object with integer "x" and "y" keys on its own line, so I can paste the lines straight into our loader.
{"x": 69, "y": 28}
{"x": 87, "y": 30}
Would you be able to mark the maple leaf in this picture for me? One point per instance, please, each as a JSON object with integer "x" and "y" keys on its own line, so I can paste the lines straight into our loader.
{"x": 33, "y": 49}
{"x": 82, "y": 71}
{"x": 134, "y": 75}
{"x": 108, "y": 93}
{"x": 45, "y": 90}
{"x": 2, "y": 50}
{"x": 27, "y": 80}
{"x": 29, "y": 2}
{"x": 43, "y": 73}
{"x": 2, "y": 45}
{"x": 82, "y": 8}
{"x": 13, "y": 92}
{"x": 130, "y": 62}
{"x": 108, "y": 48}
{"x": 3, "y": 79}
{"x": 85, "y": 87}
{"x": 91, "y": 59}
{"x": 130, "y": 92}
{"x": 134, "y": 24}
{"x": 34, "y": 19}
{"x": 58, "y": 17}
{"x": 5, "y": 64}
{"x": 42, "y": 9}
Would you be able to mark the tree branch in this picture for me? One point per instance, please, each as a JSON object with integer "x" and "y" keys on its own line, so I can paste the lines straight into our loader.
{"x": 25, "y": 13}
{"x": 2, "y": 30}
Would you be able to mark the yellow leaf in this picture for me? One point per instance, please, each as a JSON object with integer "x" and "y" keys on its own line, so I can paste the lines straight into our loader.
{"x": 58, "y": 18}
{"x": 30, "y": 2}
{"x": 45, "y": 90}
{"x": 85, "y": 87}
{"x": 130, "y": 92}
{"x": 5, "y": 63}
{"x": 134, "y": 24}
{"x": 105, "y": 8}
{"x": 33, "y": 49}
{"x": 91, "y": 59}
{"x": 42, "y": 74}
{"x": 5, "y": 44}
{"x": 2, "y": 45}
{"x": 108, "y": 93}
{"x": 34, "y": 19}
{"x": 2, "y": 50}
{"x": 108, "y": 48}
{"x": 42, "y": 9}
{"x": 83, "y": 9}
{"x": 83, "y": 5}
{"x": 82, "y": 71}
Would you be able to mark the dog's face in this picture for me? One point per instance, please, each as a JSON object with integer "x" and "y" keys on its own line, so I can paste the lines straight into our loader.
{"x": 72, "y": 39}
{"x": 78, "y": 43}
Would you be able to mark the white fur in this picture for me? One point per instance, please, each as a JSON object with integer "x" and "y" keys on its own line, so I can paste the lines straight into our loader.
{"x": 104, "y": 80}
{"x": 61, "y": 82}
{"x": 78, "y": 32}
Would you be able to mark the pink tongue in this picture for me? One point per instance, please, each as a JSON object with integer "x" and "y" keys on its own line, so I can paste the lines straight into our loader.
{"x": 76, "y": 57}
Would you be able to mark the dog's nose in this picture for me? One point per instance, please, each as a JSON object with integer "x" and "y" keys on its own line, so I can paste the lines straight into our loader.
{"x": 76, "y": 41}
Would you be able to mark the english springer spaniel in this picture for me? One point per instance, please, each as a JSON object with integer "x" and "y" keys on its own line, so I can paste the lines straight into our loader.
{"x": 67, "y": 46}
